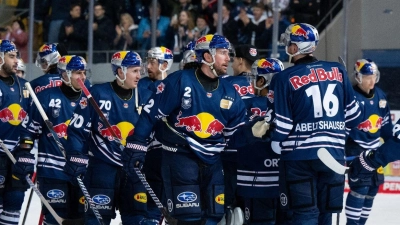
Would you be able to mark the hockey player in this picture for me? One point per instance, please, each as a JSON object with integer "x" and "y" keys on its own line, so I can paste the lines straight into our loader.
{"x": 376, "y": 126}
{"x": 47, "y": 59}
{"x": 14, "y": 102}
{"x": 245, "y": 55}
{"x": 21, "y": 69}
{"x": 189, "y": 57}
{"x": 91, "y": 142}
{"x": 201, "y": 111}
{"x": 158, "y": 63}
{"x": 312, "y": 102}
{"x": 58, "y": 104}
{"x": 257, "y": 163}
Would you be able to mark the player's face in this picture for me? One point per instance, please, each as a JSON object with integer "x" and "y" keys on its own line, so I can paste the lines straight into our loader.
{"x": 221, "y": 61}
{"x": 153, "y": 68}
{"x": 10, "y": 63}
{"x": 75, "y": 75}
{"x": 132, "y": 77}
{"x": 368, "y": 82}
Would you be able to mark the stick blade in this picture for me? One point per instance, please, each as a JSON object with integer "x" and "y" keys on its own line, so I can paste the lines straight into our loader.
{"x": 73, "y": 221}
{"x": 331, "y": 162}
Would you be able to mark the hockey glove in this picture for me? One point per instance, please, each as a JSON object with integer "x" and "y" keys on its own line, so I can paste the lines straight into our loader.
{"x": 76, "y": 165}
{"x": 260, "y": 128}
{"x": 362, "y": 167}
{"x": 24, "y": 165}
{"x": 133, "y": 155}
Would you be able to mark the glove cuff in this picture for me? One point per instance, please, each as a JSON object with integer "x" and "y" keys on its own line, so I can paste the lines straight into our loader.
{"x": 136, "y": 147}
{"x": 364, "y": 162}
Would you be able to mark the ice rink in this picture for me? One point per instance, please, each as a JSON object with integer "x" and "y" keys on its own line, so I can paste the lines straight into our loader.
{"x": 385, "y": 211}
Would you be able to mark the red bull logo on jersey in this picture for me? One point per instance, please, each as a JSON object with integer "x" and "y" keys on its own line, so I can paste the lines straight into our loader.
{"x": 14, "y": 114}
{"x": 122, "y": 130}
{"x": 299, "y": 31}
{"x": 60, "y": 130}
{"x": 203, "y": 125}
{"x": 372, "y": 124}
{"x": 316, "y": 75}
{"x": 52, "y": 83}
{"x": 220, "y": 199}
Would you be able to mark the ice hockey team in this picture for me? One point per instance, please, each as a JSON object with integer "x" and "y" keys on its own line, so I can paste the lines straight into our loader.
{"x": 197, "y": 145}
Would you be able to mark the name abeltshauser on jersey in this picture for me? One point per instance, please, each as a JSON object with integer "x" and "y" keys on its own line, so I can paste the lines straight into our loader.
{"x": 323, "y": 125}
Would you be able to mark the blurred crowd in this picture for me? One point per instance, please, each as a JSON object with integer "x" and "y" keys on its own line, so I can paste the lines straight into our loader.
{"x": 126, "y": 24}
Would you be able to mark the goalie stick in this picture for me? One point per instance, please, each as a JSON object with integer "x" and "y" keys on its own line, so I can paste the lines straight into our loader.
{"x": 138, "y": 172}
{"x": 60, "y": 220}
{"x": 49, "y": 125}
{"x": 331, "y": 162}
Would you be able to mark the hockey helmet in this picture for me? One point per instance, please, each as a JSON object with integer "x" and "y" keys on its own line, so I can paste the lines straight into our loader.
{"x": 265, "y": 67}
{"x": 365, "y": 67}
{"x": 47, "y": 55}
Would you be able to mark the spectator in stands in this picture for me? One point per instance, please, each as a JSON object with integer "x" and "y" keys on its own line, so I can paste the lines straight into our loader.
{"x": 202, "y": 28}
{"x": 102, "y": 33}
{"x": 207, "y": 8}
{"x": 144, "y": 31}
{"x": 266, "y": 37}
{"x": 305, "y": 11}
{"x": 183, "y": 5}
{"x": 183, "y": 32}
{"x": 20, "y": 38}
{"x": 229, "y": 25}
{"x": 252, "y": 28}
{"x": 59, "y": 12}
{"x": 74, "y": 32}
{"x": 126, "y": 33}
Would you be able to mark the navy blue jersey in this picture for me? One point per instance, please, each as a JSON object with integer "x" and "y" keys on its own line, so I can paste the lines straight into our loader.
{"x": 376, "y": 123}
{"x": 389, "y": 151}
{"x": 257, "y": 163}
{"x": 312, "y": 105}
{"x": 241, "y": 84}
{"x": 14, "y": 104}
{"x": 58, "y": 109}
{"x": 86, "y": 127}
{"x": 205, "y": 119}
{"x": 146, "y": 83}
{"x": 49, "y": 80}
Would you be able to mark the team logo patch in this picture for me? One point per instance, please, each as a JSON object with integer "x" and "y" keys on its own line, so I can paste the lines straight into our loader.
{"x": 253, "y": 51}
{"x": 270, "y": 96}
{"x": 283, "y": 199}
{"x": 160, "y": 88}
{"x": 101, "y": 199}
{"x": 187, "y": 196}
{"x": 209, "y": 95}
{"x": 55, "y": 194}
{"x": 225, "y": 104}
{"x": 170, "y": 205}
{"x": 126, "y": 105}
{"x": 382, "y": 103}
{"x": 12, "y": 89}
{"x": 2, "y": 179}
{"x": 186, "y": 103}
{"x": 220, "y": 199}
{"x": 55, "y": 112}
{"x": 140, "y": 197}
{"x": 83, "y": 103}
{"x": 82, "y": 200}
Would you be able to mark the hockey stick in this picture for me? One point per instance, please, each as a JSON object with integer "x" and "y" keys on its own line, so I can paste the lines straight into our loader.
{"x": 108, "y": 125}
{"x": 331, "y": 162}
{"x": 29, "y": 200}
{"x": 342, "y": 62}
{"x": 60, "y": 220}
{"x": 49, "y": 125}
